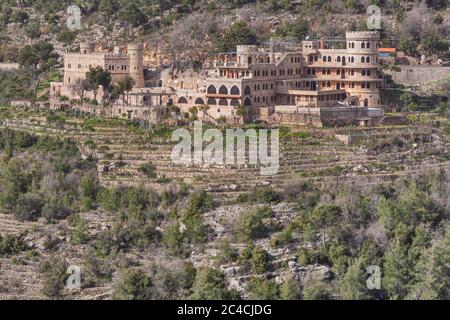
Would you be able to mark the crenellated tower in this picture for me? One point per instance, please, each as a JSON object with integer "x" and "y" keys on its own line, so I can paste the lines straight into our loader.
{"x": 136, "y": 53}
{"x": 362, "y": 54}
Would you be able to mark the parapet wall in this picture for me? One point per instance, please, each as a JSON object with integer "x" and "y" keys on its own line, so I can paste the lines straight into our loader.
{"x": 362, "y": 35}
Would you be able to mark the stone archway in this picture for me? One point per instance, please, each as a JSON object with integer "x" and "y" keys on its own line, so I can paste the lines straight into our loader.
{"x": 223, "y": 90}
{"x": 182, "y": 100}
{"x": 212, "y": 90}
{"x": 199, "y": 102}
{"x": 235, "y": 91}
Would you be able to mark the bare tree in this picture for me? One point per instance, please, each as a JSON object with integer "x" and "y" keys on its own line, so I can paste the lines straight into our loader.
{"x": 418, "y": 23}
{"x": 189, "y": 42}
{"x": 81, "y": 89}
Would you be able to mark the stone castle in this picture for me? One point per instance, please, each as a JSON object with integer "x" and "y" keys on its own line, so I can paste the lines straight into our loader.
{"x": 317, "y": 85}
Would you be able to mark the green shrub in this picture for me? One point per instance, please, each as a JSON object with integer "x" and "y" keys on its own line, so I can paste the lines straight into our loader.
{"x": 89, "y": 189}
{"x": 316, "y": 290}
{"x": 79, "y": 230}
{"x": 28, "y": 207}
{"x": 149, "y": 170}
{"x": 284, "y": 237}
{"x": 250, "y": 225}
{"x": 11, "y": 245}
{"x": 263, "y": 289}
{"x": 226, "y": 253}
{"x": 96, "y": 270}
{"x": 265, "y": 195}
{"x": 134, "y": 284}
{"x": 55, "y": 277}
{"x": 210, "y": 284}
{"x": 313, "y": 256}
{"x": 290, "y": 290}
{"x": 261, "y": 260}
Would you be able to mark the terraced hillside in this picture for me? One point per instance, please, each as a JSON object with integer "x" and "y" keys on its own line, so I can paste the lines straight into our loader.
{"x": 113, "y": 238}
{"x": 377, "y": 154}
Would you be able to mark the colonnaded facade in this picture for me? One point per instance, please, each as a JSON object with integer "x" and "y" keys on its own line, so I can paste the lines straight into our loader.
{"x": 317, "y": 85}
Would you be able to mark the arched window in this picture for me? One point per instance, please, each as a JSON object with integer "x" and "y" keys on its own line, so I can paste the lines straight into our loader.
{"x": 324, "y": 59}
{"x": 353, "y": 45}
{"x": 247, "y": 102}
{"x": 368, "y": 45}
{"x": 363, "y": 60}
{"x": 199, "y": 102}
{"x": 363, "y": 73}
{"x": 247, "y": 90}
{"x": 223, "y": 102}
{"x": 235, "y": 91}
{"x": 212, "y": 102}
{"x": 338, "y": 59}
{"x": 353, "y": 59}
{"x": 366, "y": 103}
{"x": 223, "y": 90}
{"x": 363, "y": 45}
{"x": 234, "y": 102}
{"x": 368, "y": 59}
{"x": 328, "y": 84}
{"x": 249, "y": 60}
{"x": 329, "y": 59}
{"x": 212, "y": 90}
{"x": 182, "y": 100}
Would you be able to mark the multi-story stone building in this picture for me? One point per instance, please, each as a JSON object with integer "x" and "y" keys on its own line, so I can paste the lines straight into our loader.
{"x": 121, "y": 63}
{"x": 293, "y": 85}
{"x": 315, "y": 85}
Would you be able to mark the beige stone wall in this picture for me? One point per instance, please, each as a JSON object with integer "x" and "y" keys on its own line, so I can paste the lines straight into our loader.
{"x": 77, "y": 65}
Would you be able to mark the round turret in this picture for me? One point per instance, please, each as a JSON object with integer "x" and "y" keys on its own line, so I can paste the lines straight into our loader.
{"x": 136, "y": 53}
{"x": 364, "y": 42}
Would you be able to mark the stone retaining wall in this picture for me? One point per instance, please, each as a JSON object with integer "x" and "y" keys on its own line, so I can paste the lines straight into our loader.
{"x": 419, "y": 75}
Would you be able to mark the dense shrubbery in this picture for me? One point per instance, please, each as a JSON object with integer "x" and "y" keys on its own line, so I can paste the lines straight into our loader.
{"x": 159, "y": 283}
{"x": 210, "y": 284}
{"x": 190, "y": 227}
{"x": 10, "y": 245}
{"x": 402, "y": 227}
{"x": 251, "y": 225}
{"x": 260, "y": 195}
{"x": 42, "y": 176}
{"x": 55, "y": 276}
{"x": 390, "y": 227}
